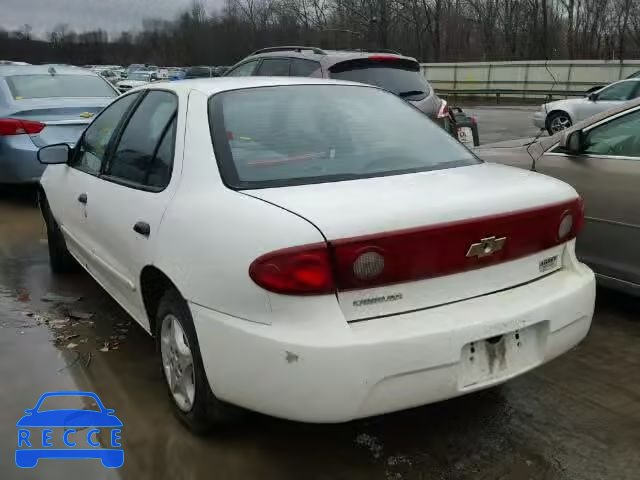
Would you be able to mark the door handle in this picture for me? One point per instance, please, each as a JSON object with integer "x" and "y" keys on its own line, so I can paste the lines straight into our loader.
{"x": 143, "y": 228}
{"x": 82, "y": 198}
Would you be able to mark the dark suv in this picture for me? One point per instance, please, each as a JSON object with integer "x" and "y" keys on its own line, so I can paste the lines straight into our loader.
{"x": 383, "y": 68}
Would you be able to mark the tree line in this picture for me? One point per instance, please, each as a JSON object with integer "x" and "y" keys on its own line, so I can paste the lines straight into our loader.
{"x": 430, "y": 30}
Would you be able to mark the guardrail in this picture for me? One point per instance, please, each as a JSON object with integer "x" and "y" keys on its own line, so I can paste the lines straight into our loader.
{"x": 498, "y": 93}
{"x": 527, "y": 79}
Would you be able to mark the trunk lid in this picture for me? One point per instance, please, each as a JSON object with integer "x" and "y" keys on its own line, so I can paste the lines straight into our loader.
{"x": 433, "y": 219}
{"x": 65, "y": 118}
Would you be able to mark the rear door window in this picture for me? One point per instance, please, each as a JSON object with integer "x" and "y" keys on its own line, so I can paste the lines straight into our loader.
{"x": 399, "y": 76}
{"x": 135, "y": 160}
{"x": 303, "y": 68}
{"x": 274, "y": 67}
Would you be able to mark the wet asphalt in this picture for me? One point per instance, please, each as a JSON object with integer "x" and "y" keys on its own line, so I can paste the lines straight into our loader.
{"x": 577, "y": 417}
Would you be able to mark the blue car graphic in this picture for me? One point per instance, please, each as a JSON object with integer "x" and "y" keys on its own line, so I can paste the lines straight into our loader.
{"x": 69, "y": 419}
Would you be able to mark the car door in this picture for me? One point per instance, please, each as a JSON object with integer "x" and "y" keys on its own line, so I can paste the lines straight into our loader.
{"x": 130, "y": 197}
{"x": 607, "y": 176}
{"x": 607, "y": 98}
{"x": 68, "y": 187}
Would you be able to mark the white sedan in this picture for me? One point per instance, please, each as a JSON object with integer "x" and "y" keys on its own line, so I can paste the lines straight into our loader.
{"x": 561, "y": 114}
{"x": 315, "y": 250}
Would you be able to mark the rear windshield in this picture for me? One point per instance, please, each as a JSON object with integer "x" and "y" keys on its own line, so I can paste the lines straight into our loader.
{"x": 402, "y": 77}
{"x": 47, "y": 86}
{"x": 301, "y": 134}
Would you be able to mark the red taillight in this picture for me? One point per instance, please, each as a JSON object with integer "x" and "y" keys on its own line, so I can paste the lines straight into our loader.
{"x": 15, "y": 126}
{"x": 302, "y": 270}
{"x": 383, "y": 58}
{"x": 443, "y": 112}
{"x": 445, "y": 249}
{"x": 417, "y": 253}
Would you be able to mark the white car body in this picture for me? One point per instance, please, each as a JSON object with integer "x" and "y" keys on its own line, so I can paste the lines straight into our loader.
{"x": 337, "y": 356}
{"x": 578, "y": 109}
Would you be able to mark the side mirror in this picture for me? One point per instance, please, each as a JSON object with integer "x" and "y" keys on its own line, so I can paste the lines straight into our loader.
{"x": 54, "y": 154}
{"x": 574, "y": 142}
{"x": 593, "y": 96}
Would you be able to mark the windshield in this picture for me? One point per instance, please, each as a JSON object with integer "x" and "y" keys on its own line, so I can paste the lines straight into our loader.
{"x": 293, "y": 135}
{"x": 48, "y": 86}
{"x": 141, "y": 76}
{"x": 399, "y": 76}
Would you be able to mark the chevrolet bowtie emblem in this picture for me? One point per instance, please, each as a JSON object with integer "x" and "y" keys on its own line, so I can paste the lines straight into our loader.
{"x": 86, "y": 115}
{"x": 486, "y": 247}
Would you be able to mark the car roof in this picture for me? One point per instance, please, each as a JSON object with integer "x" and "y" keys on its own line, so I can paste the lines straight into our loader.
{"x": 210, "y": 86}
{"x": 9, "y": 70}
{"x": 326, "y": 58}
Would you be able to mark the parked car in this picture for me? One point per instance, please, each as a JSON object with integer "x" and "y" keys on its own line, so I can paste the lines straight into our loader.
{"x": 561, "y": 114}
{"x": 201, "y": 72}
{"x": 135, "y": 79}
{"x": 393, "y": 268}
{"x": 386, "y": 69}
{"x": 40, "y": 105}
{"x": 600, "y": 158}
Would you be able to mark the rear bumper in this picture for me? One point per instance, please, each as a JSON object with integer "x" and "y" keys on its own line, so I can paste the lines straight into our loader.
{"x": 307, "y": 373}
{"x": 539, "y": 119}
{"x": 19, "y": 160}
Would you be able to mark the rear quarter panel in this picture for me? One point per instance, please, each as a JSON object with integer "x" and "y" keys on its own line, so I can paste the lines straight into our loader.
{"x": 210, "y": 235}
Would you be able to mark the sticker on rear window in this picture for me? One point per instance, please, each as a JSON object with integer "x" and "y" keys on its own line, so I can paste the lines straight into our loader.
{"x": 547, "y": 264}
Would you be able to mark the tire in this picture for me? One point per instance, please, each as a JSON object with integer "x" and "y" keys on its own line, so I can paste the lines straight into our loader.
{"x": 60, "y": 260}
{"x": 558, "y": 121}
{"x": 204, "y": 411}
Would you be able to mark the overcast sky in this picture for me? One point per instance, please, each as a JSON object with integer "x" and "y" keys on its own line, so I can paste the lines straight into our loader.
{"x": 110, "y": 15}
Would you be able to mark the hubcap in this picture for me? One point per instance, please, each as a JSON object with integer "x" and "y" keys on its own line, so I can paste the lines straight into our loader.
{"x": 177, "y": 362}
{"x": 560, "y": 123}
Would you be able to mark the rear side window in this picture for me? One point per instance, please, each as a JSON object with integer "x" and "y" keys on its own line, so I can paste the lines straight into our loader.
{"x": 198, "y": 72}
{"x": 95, "y": 142}
{"x": 243, "y": 70}
{"x": 135, "y": 160}
{"x": 303, "y": 68}
{"x": 399, "y": 76}
{"x": 49, "y": 86}
{"x": 274, "y": 67}
{"x": 300, "y": 134}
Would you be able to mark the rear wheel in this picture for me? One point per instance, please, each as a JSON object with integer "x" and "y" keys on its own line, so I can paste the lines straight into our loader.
{"x": 60, "y": 259}
{"x": 193, "y": 402}
{"x": 558, "y": 121}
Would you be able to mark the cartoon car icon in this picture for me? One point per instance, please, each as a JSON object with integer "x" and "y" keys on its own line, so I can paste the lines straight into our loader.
{"x": 76, "y": 423}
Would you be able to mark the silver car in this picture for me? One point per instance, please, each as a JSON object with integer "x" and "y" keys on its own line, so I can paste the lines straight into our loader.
{"x": 387, "y": 69}
{"x": 41, "y": 105}
{"x": 561, "y": 114}
{"x": 600, "y": 158}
